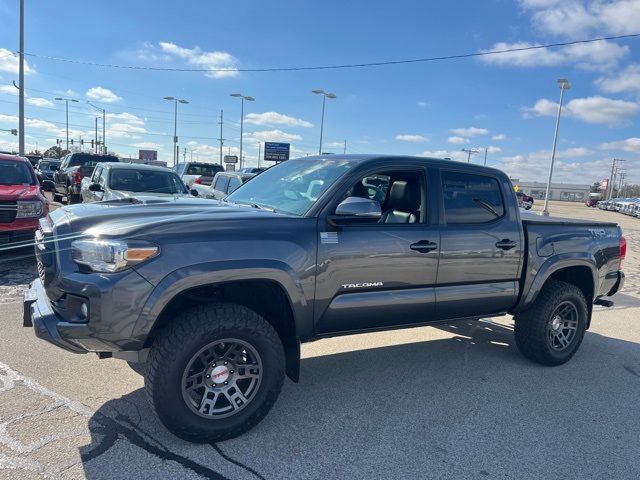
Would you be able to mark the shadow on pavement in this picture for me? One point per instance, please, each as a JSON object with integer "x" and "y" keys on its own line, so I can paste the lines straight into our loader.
{"x": 463, "y": 407}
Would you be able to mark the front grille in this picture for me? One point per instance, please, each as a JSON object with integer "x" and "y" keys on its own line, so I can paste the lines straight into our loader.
{"x": 8, "y": 211}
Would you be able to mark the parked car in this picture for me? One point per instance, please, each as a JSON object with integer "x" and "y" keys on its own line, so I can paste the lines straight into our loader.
{"x": 211, "y": 300}
{"x": 197, "y": 172}
{"x": 34, "y": 159}
{"x": 591, "y": 202}
{"x": 525, "y": 201}
{"x": 252, "y": 170}
{"x": 223, "y": 184}
{"x": 73, "y": 168}
{"x": 118, "y": 181}
{"x": 46, "y": 168}
{"x": 22, "y": 202}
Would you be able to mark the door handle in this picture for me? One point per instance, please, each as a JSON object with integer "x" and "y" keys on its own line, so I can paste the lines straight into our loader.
{"x": 423, "y": 246}
{"x": 506, "y": 244}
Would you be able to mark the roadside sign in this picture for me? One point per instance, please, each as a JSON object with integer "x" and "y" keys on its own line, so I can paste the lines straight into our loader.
{"x": 276, "y": 152}
{"x": 516, "y": 188}
{"x": 148, "y": 155}
{"x": 231, "y": 159}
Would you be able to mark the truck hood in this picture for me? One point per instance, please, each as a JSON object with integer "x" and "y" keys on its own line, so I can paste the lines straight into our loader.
{"x": 18, "y": 192}
{"x": 152, "y": 215}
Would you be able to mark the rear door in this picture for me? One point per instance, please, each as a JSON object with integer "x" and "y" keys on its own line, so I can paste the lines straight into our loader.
{"x": 482, "y": 245}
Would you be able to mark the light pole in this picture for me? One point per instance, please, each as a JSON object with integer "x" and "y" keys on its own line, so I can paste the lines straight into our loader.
{"x": 325, "y": 95}
{"x": 104, "y": 140}
{"x": 470, "y": 151}
{"x": 66, "y": 101}
{"x": 21, "y": 151}
{"x": 176, "y": 154}
{"x": 564, "y": 84}
{"x": 242, "y": 99}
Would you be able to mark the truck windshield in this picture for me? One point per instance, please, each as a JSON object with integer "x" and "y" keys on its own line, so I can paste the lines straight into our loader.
{"x": 15, "y": 173}
{"x": 292, "y": 186}
{"x": 90, "y": 160}
{"x": 145, "y": 181}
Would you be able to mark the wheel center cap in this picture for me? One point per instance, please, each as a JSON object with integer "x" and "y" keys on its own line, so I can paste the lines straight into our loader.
{"x": 556, "y": 323}
{"x": 220, "y": 374}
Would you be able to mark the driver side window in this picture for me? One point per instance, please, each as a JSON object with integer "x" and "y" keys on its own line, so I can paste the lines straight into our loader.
{"x": 400, "y": 195}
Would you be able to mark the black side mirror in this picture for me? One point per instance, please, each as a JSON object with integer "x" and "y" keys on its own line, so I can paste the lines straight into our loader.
{"x": 95, "y": 187}
{"x": 47, "y": 185}
{"x": 194, "y": 192}
{"x": 356, "y": 210}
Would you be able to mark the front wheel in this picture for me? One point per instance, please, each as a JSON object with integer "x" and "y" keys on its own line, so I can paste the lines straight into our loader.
{"x": 215, "y": 372}
{"x": 551, "y": 331}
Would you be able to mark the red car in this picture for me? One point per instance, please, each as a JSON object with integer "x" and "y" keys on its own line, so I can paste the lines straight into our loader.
{"x": 22, "y": 202}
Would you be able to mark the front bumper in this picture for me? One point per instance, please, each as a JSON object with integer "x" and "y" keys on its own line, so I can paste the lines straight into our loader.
{"x": 37, "y": 313}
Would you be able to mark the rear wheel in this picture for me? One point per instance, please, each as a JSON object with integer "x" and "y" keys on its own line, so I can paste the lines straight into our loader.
{"x": 215, "y": 373}
{"x": 551, "y": 331}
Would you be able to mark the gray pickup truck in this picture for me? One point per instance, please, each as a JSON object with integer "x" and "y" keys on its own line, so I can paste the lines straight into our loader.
{"x": 211, "y": 300}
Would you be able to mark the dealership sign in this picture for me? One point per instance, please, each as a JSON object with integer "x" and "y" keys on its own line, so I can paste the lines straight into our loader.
{"x": 230, "y": 159}
{"x": 276, "y": 152}
{"x": 147, "y": 155}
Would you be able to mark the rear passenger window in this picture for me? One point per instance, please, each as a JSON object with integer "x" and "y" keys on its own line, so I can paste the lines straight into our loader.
{"x": 234, "y": 182}
{"x": 221, "y": 183}
{"x": 471, "y": 198}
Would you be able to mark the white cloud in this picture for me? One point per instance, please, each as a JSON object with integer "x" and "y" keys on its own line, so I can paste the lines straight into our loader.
{"x": 422, "y": 104}
{"x": 411, "y": 138}
{"x": 147, "y": 145}
{"x": 275, "y": 118}
{"x": 628, "y": 80}
{"x": 628, "y": 145}
{"x": 597, "y": 55}
{"x": 273, "y": 136}
{"x": 226, "y": 65}
{"x": 469, "y": 132}
{"x": 101, "y": 94}
{"x": 499, "y": 137}
{"x": 492, "y": 149}
{"x": 39, "y": 102}
{"x": 335, "y": 144}
{"x": 126, "y": 117}
{"x": 9, "y": 89}
{"x": 124, "y": 130}
{"x": 596, "y": 109}
{"x": 456, "y": 155}
{"x": 457, "y": 140}
{"x": 10, "y": 63}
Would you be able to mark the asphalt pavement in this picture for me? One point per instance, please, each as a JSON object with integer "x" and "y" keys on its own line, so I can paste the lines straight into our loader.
{"x": 456, "y": 401}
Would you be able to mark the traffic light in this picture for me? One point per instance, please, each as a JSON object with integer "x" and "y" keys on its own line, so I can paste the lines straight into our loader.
{"x": 82, "y": 141}
{"x": 72, "y": 141}
{"x": 92, "y": 143}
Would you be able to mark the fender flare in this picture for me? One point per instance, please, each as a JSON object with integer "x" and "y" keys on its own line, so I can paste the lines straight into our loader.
{"x": 550, "y": 266}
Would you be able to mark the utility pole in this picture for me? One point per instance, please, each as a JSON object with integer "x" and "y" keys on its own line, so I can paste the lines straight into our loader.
{"x": 344, "y": 151}
{"x": 470, "y": 151}
{"x": 221, "y": 140}
{"x": 612, "y": 179}
{"x": 485, "y": 156}
{"x": 259, "y": 153}
{"x": 184, "y": 154}
{"x": 96, "y": 144}
{"x": 21, "y": 85}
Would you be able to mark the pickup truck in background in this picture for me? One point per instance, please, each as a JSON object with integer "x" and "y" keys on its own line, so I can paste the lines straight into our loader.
{"x": 73, "y": 168}
{"x": 211, "y": 300}
{"x": 22, "y": 202}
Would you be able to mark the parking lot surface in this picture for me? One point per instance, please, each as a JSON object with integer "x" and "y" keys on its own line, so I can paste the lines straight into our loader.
{"x": 456, "y": 401}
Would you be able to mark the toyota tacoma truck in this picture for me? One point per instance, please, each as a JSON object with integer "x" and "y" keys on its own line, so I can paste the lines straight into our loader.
{"x": 211, "y": 300}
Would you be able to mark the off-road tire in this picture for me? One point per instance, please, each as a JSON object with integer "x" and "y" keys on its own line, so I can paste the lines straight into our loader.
{"x": 531, "y": 326}
{"x": 174, "y": 348}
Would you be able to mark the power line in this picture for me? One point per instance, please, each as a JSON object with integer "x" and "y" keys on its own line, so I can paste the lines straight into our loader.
{"x": 340, "y": 66}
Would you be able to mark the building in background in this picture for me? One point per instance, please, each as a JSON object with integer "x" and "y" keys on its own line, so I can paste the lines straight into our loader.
{"x": 568, "y": 192}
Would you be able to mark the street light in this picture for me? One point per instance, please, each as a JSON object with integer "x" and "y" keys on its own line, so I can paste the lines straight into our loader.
{"x": 564, "y": 84}
{"x": 66, "y": 101}
{"x": 325, "y": 95}
{"x": 242, "y": 99}
{"x": 104, "y": 140}
{"x": 12, "y": 131}
{"x": 175, "y": 127}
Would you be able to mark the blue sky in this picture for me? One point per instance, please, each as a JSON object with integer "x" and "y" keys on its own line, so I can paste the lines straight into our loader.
{"x": 506, "y": 103}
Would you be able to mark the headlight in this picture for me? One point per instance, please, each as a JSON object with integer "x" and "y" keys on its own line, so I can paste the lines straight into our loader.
{"x": 30, "y": 209}
{"x": 109, "y": 256}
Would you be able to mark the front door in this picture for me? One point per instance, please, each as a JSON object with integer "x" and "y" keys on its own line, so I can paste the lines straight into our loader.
{"x": 380, "y": 273}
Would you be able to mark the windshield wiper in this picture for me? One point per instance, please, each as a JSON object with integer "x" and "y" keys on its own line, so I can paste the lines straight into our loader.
{"x": 252, "y": 205}
{"x": 486, "y": 205}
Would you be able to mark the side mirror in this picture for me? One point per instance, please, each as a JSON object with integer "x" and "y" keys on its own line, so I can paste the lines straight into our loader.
{"x": 357, "y": 209}
{"x": 194, "y": 192}
{"x": 95, "y": 187}
{"x": 47, "y": 185}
